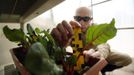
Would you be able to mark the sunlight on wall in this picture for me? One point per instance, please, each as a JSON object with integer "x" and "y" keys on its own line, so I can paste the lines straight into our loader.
{"x": 43, "y": 21}
{"x": 6, "y": 45}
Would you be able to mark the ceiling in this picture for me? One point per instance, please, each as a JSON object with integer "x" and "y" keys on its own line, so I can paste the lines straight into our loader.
{"x": 24, "y": 10}
{"x": 15, "y": 6}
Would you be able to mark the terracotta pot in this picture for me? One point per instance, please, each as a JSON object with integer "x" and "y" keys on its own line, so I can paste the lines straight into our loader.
{"x": 18, "y": 64}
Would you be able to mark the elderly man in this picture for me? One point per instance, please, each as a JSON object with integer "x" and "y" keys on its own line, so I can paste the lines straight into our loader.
{"x": 63, "y": 32}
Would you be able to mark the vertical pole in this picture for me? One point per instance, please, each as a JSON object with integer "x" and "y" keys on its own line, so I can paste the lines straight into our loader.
{"x": 92, "y": 10}
{"x": 22, "y": 25}
{"x": 52, "y": 16}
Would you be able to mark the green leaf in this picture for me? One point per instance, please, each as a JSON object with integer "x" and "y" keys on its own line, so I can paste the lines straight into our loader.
{"x": 49, "y": 37}
{"x": 98, "y": 34}
{"x": 42, "y": 40}
{"x": 30, "y": 29}
{"x": 48, "y": 30}
{"x": 90, "y": 33}
{"x": 38, "y": 62}
{"x": 72, "y": 60}
{"x": 14, "y": 35}
{"x": 58, "y": 53}
{"x": 37, "y": 30}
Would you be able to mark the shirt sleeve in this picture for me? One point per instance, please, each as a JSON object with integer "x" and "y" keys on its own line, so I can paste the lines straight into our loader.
{"x": 104, "y": 49}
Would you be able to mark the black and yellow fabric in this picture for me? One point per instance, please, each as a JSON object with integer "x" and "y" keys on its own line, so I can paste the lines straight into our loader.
{"x": 77, "y": 45}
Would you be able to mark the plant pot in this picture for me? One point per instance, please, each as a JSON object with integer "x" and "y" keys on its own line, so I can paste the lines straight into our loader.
{"x": 19, "y": 53}
{"x": 18, "y": 64}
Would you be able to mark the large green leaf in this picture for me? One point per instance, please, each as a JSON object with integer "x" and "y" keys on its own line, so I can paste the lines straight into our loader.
{"x": 38, "y": 62}
{"x": 98, "y": 34}
{"x": 14, "y": 35}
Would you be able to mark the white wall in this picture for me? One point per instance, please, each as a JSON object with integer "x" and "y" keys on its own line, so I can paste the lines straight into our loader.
{"x": 6, "y": 45}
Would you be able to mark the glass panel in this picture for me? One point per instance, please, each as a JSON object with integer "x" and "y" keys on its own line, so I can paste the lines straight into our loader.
{"x": 123, "y": 42}
{"x": 121, "y": 10}
{"x": 43, "y": 21}
{"x": 65, "y": 10}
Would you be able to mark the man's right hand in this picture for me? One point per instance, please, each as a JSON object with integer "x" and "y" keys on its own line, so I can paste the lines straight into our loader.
{"x": 63, "y": 32}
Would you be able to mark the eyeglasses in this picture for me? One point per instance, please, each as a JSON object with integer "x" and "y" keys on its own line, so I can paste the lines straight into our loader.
{"x": 85, "y": 18}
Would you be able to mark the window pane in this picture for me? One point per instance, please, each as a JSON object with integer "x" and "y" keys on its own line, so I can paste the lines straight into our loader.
{"x": 121, "y": 10}
{"x": 65, "y": 10}
{"x": 123, "y": 42}
{"x": 43, "y": 21}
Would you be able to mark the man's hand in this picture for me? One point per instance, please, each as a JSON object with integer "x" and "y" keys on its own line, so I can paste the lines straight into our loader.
{"x": 92, "y": 57}
{"x": 95, "y": 61}
{"x": 63, "y": 32}
{"x": 92, "y": 53}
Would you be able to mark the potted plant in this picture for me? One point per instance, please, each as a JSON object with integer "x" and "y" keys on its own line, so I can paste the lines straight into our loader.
{"x": 39, "y": 54}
